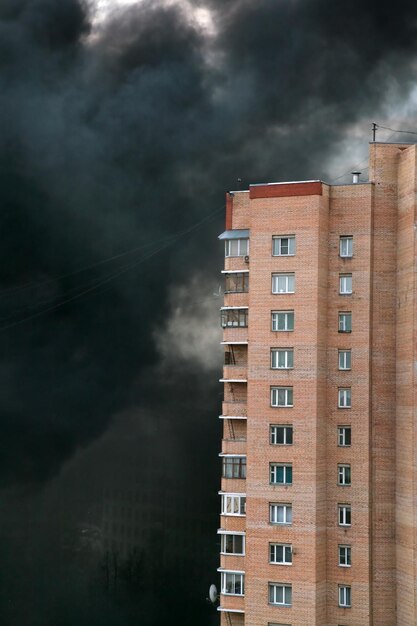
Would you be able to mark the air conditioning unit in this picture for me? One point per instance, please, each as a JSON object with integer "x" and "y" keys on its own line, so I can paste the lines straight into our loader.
{"x": 247, "y": 258}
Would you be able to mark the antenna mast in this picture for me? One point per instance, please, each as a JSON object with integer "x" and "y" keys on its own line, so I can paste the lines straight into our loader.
{"x": 374, "y": 127}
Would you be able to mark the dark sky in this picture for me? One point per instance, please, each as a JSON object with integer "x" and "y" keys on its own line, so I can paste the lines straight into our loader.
{"x": 118, "y": 140}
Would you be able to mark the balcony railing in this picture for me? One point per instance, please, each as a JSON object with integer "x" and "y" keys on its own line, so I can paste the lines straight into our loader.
{"x": 236, "y": 408}
{"x": 235, "y": 372}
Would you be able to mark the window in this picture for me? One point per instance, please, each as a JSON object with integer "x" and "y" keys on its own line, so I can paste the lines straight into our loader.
{"x": 232, "y": 544}
{"x": 346, "y": 246}
{"x": 282, "y": 358}
{"x": 236, "y": 247}
{"x": 343, "y": 475}
{"x": 234, "y": 467}
{"x": 345, "y": 513}
{"x": 344, "y": 435}
{"x": 280, "y": 513}
{"x": 282, "y": 320}
{"x": 233, "y": 583}
{"x": 345, "y": 596}
{"x": 283, "y": 283}
{"x": 345, "y": 556}
{"x": 280, "y": 474}
{"x": 345, "y": 322}
{"x": 345, "y": 359}
{"x": 237, "y": 282}
{"x": 234, "y": 317}
{"x": 283, "y": 245}
{"x": 280, "y": 435}
{"x": 233, "y": 504}
{"x": 281, "y": 396}
{"x": 280, "y": 553}
{"x": 344, "y": 398}
{"x": 345, "y": 284}
{"x": 280, "y": 594}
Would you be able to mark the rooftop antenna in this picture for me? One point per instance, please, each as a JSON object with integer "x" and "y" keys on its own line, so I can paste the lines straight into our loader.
{"x": 374, "y": 127}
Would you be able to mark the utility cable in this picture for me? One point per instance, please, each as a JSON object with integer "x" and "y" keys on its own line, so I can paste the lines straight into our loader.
{"x": 396, "y": 130}
{"x": 349, "y": 171}
{"x": 115, "y": 274}
{"x": 34, "y": 284}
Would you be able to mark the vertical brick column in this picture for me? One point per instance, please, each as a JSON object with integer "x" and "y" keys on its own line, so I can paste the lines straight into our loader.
{"x": 406, "y": 357}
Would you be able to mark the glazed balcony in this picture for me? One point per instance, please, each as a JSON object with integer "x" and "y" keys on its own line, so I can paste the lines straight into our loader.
{"x": 234, "y": 321}
{"x": 236, "y": 288}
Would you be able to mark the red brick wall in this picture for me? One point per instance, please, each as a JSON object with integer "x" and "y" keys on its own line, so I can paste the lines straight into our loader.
{"x": 383, "y": 455}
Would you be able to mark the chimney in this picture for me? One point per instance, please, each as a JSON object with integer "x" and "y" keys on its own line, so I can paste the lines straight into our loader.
{"x": 355, "y": 177}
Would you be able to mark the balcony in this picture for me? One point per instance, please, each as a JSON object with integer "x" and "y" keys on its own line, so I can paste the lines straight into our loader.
{"x": 234, "y": 446}
{"x": 236, "y": 263}
{"x": 235, "y": 372}
{"x": 235, "y": 335}
{"x": 236, "y": 299}
{"x": 232, "y": 604}
{"x": 234, "y": 409}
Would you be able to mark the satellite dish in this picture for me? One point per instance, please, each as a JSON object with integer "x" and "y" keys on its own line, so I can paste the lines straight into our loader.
{"x": 213, "y": 594}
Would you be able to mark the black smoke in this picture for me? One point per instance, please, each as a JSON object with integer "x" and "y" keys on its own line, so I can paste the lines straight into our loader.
{"x": 117, "y": 143}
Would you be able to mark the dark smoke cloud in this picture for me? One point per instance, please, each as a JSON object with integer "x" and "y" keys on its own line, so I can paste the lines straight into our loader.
{"x": 116, "y": 138}
{"x": 117, "y": 143}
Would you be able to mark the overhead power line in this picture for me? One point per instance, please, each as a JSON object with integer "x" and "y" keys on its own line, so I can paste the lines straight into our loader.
{"x": 95, "y": 287}
{"x": 397, "y": 130}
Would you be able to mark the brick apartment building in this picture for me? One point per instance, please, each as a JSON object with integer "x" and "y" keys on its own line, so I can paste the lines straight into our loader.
{"x": 319, "y": 451}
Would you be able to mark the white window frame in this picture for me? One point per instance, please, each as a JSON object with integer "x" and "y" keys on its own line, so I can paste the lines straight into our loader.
{"x": 277, "y": 245}
{"x": 286, "y": 510}
{"x": 238, "y": 499}
{"x": 344, "y": 315}
{"x": 341, "y": 436}
{"x": 345, "y": 284}
{"x": 279, "y": 588}
{"x": 283, "y": 355}
{"x": 233, "y": 576}
{"x": 273, "y": 431}
{"x": 344, "y": 475}
{"x": 345, "y": 359}
{"x": 228, "y": 533}
{"x": 242, "y": 248}
{"x": 287, "y": 474}
{"x": 344, "y": 556}
{"x": 282, "y": 397}
{"x": 240, "y": 280}
{"x": 342, "y": 513}
{"x": 275, "y": 321}
{"x": 345, "y": 596}
{"x": 238, "y": 460}
{"x": 346, "y": 246}
{"x": 234, "y": 317}
{"x": 286, "y": 549}
{"x": 287, "y": 280}
{"x": 344, "y": 398}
